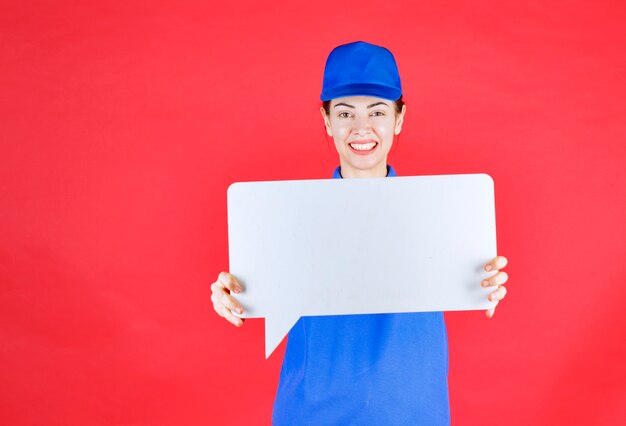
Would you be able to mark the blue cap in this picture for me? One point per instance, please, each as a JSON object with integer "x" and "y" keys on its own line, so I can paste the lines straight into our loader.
{"x": 361, "y": 69}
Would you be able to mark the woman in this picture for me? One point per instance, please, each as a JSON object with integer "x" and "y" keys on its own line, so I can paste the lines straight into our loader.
{"x": 387, "y": 369}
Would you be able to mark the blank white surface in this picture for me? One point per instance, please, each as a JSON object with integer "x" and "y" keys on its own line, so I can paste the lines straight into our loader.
{"x": 355, "y": 246}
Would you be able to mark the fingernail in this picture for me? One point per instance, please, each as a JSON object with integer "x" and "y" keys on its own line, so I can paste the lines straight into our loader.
{"x": 237, "y": 290}
{"x": 239, "y": 310}
{"x": 488, "y": 268}
{"x": 485, "y": 283}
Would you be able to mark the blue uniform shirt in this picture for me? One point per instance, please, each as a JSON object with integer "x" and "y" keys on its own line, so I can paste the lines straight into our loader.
{"x": 374, "y": 369}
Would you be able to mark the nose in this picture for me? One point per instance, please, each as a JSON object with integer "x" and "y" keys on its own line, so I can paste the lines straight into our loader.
{"x": 361, "y": 126}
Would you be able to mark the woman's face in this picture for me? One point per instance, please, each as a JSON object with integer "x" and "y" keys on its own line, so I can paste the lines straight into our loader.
{"x": 363, "y": 128}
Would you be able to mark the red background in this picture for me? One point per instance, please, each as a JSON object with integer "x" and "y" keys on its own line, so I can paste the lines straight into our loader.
{"x": 123, "y": 125}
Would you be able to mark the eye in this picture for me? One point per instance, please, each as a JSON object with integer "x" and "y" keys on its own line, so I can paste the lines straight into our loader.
{"x": 378, "y": 113}
{"x": 343, "y": 114}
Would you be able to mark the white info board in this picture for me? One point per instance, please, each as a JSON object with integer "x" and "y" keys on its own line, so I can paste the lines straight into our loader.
{"x": 356, "y": 246}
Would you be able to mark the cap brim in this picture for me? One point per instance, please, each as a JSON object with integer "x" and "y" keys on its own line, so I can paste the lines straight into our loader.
{"x": 375, "y": 90}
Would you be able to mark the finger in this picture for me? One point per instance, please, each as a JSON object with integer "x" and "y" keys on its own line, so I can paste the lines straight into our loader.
{"x": 498, "y": 279}
{"x": 217, "y": 287}
{"x": 217, "y": 305}
{"x": 230, "y": 317}
{"x": 230, "y": 303}
{"x": 229, "y": 282}
{"x": 217, "y": 291}
{"x": 490, "y": 312}
{"x": 498, "y": 294}
{"x": 498, "y": 262}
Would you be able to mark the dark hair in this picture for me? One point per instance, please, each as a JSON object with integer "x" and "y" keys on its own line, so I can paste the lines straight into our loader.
{"x": 399, "y": 103}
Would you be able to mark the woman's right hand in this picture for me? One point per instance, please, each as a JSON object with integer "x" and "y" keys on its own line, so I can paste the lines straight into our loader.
{"x": 223, "y": 303}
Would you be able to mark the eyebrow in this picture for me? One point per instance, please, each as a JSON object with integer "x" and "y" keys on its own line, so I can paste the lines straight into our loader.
{"x": 352, "y": 106}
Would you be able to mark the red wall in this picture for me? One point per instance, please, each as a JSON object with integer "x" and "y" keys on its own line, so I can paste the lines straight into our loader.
{"x": 122, "y": 125}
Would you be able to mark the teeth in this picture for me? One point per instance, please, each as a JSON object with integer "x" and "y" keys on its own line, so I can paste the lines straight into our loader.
{"x": 363, "y": 146}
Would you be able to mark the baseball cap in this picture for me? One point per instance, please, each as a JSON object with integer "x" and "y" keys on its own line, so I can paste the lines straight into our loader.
{"x": 361, "y": 68}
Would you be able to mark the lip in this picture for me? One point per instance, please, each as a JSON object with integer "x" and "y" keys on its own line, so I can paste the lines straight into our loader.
{"x": 357, "y": 152}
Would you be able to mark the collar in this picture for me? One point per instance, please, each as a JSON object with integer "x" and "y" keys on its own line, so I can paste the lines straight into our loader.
{"x": 337, "y": 173}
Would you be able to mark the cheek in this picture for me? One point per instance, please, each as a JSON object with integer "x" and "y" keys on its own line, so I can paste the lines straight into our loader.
{"x": 340, "y": 133}
{"x": 386, "y": 130}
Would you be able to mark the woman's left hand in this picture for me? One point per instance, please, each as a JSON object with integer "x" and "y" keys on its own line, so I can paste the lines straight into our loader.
{"x": 496, "y": 281}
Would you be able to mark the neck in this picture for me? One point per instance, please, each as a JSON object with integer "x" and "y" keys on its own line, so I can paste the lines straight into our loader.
{"x": 348, "y": 172}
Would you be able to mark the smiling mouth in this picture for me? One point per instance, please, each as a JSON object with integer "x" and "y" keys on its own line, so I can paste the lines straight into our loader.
{"x": 363, "y": 146}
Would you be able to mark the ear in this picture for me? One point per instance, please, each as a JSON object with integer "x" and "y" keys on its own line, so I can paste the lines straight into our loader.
{"x": 326, "y": 121}
{"x": 400, "y": 120}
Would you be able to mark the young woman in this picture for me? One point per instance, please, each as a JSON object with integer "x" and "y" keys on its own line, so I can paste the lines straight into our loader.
{"x": 383, "y": 369}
